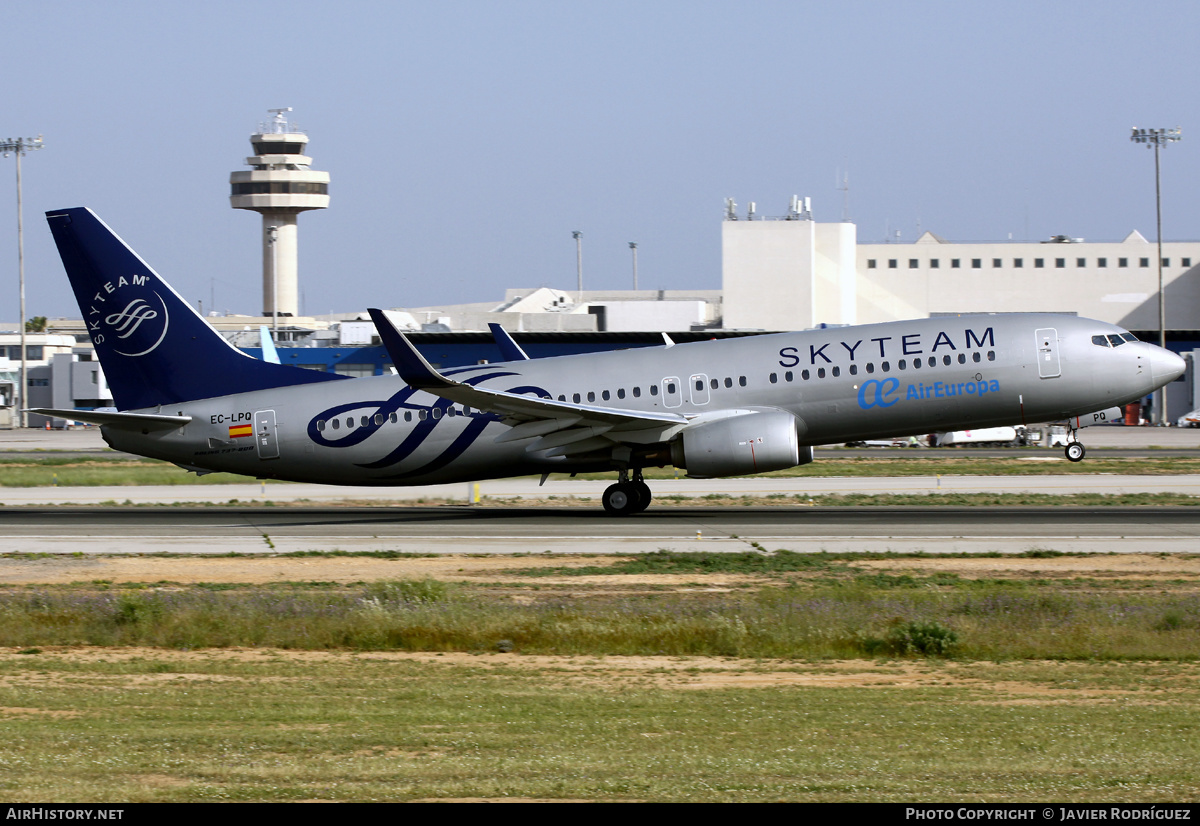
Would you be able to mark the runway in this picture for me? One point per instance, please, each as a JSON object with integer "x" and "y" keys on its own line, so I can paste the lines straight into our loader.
{"x": 87, "y": 519}
{"x": 575, "y": 529}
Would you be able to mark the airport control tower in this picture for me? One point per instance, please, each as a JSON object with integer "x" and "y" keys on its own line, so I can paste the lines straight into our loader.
{"x": 280, "y": 185}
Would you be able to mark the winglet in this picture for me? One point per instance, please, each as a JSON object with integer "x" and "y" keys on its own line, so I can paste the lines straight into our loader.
{"x": 269, "y": 353}
{"x": 509, "y": 349}
{"x": 667, "y": 340}
{"x": 410, "y": 364}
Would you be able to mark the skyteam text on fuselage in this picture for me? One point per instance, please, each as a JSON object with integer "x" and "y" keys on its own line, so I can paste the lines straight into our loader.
{"x": 714, "y": 408}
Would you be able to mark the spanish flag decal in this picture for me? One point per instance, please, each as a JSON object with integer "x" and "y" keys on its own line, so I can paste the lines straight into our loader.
{"x": 241, "y": 430}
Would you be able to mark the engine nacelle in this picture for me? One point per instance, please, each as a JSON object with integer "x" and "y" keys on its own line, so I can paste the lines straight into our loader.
{"x": 739, "y": 445}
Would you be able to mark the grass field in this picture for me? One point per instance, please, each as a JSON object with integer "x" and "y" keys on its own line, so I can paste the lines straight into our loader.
{"x": 668, "y": 677}
{"x": 268, "y": 725}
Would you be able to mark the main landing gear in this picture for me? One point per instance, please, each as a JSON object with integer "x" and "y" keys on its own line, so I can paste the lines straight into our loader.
{"x": 627, "y": 496}
{"x": 1075, "y": 450}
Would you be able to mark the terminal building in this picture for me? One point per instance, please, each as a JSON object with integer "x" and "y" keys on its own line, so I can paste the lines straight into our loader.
{"x": 794, "y": 273}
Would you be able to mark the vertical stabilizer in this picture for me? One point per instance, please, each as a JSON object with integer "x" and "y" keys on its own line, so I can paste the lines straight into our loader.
{"x": 155, "y": 349}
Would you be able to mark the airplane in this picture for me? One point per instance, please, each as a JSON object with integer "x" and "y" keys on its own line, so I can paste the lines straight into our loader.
{"x": 717, "y": 408}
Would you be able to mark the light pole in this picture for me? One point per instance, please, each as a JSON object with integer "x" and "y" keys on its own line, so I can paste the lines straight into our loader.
{"x": 578, "y": 236}
{"x": 19, "y": 147}
{"x": 633, "y": 246}
{"x": 1155, "y": 138}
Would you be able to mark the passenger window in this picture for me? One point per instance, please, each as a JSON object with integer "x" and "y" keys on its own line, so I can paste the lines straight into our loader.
{"x": 902, "y": 364}
{"x": 870, "y": 367}
{"x": 637, "y": 392}
{"x": 408, "y": 415}
{"x": 946, "y": 359}
{"x": 991, "y": 355}
{"x": 378, "y": 418}
{"x": 742, "y": 381}
{"x": 854, "y": 369}
{"x": 575, "y": 398}
{"x": 591, "y": 395}
{"x": 335, "y": 424}
{"x": 962, "y": 358}
{"x": 714, "y": 384}
{"x": 394, "y": 418}
{"x": 804, "y": 374}
{"x": 562, "y": 398}
{"x": 423, "y": 414}
{"x": 620, "y": 392}
{"x": 916, "y": 364}
{"x": 820, "y": 372}
{"x": 728, "y": 382}
{"x": 773, "y": 377}
{"x": 349, "y": 422}
{"x": 605, "y": 395}
{"x": 436, "y": 413}
{"x": 320, "y": 424}
{"x": 671, "y": 387}
{"x": 654, "y": 390}
{"x": 887, "y": 368}
{"x": 933, "y": 361}
{"x": 975, "y": 357}
{"x": 787, "y": 376}
{"x": 837, "y": 371}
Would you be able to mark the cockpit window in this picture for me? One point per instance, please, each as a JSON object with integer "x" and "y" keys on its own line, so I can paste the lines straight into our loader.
{"x": 1116, "y": 340}
{"x": 1100, "y": 341}
{"x": 1129, "y": 337}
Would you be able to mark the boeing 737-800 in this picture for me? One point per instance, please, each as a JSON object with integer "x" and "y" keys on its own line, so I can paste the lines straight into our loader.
{"x": 714, "y": 408}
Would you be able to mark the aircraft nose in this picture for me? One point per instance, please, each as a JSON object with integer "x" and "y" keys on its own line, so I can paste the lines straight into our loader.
{"x": 1165, "y": 366}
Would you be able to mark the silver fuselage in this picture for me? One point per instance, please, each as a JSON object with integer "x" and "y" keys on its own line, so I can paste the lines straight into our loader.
{"x": 841, "y": 384}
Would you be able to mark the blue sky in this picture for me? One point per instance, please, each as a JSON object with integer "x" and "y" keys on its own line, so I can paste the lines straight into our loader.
{"x": 466, "y": 140}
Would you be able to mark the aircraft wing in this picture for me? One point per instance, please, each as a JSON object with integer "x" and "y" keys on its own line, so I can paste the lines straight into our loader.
{"x": 560, "y": 427}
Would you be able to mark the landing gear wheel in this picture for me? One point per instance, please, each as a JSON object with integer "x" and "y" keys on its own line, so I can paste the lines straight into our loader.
{"x": 1075, "y": 451}
{"x": 622, "y": 499}
{"x": 643, "y": 493}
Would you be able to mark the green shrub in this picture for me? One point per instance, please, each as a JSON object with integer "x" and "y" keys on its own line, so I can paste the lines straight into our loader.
{"x": 907, "y": 639}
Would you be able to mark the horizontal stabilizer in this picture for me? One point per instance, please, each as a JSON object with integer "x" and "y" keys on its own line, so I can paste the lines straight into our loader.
{"x": 154, "y": 421}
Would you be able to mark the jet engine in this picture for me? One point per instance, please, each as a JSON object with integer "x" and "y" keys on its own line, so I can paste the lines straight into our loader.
{"x": 748, "y": 443}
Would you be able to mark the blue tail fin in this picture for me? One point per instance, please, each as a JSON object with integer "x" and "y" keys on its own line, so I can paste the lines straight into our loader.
{"x": 154, "y": 348}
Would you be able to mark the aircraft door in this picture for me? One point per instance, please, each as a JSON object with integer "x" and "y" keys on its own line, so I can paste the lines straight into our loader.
{"x": 699, "y": 388}
{"x": 265, "y": 435}
{"x": 672, "y": 393}
{"x": 1047, "y": 347}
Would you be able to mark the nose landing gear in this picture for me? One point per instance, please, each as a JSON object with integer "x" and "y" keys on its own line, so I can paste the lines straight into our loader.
{"x": 627, "y": 496}
{"x": 1075, "y": 450}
